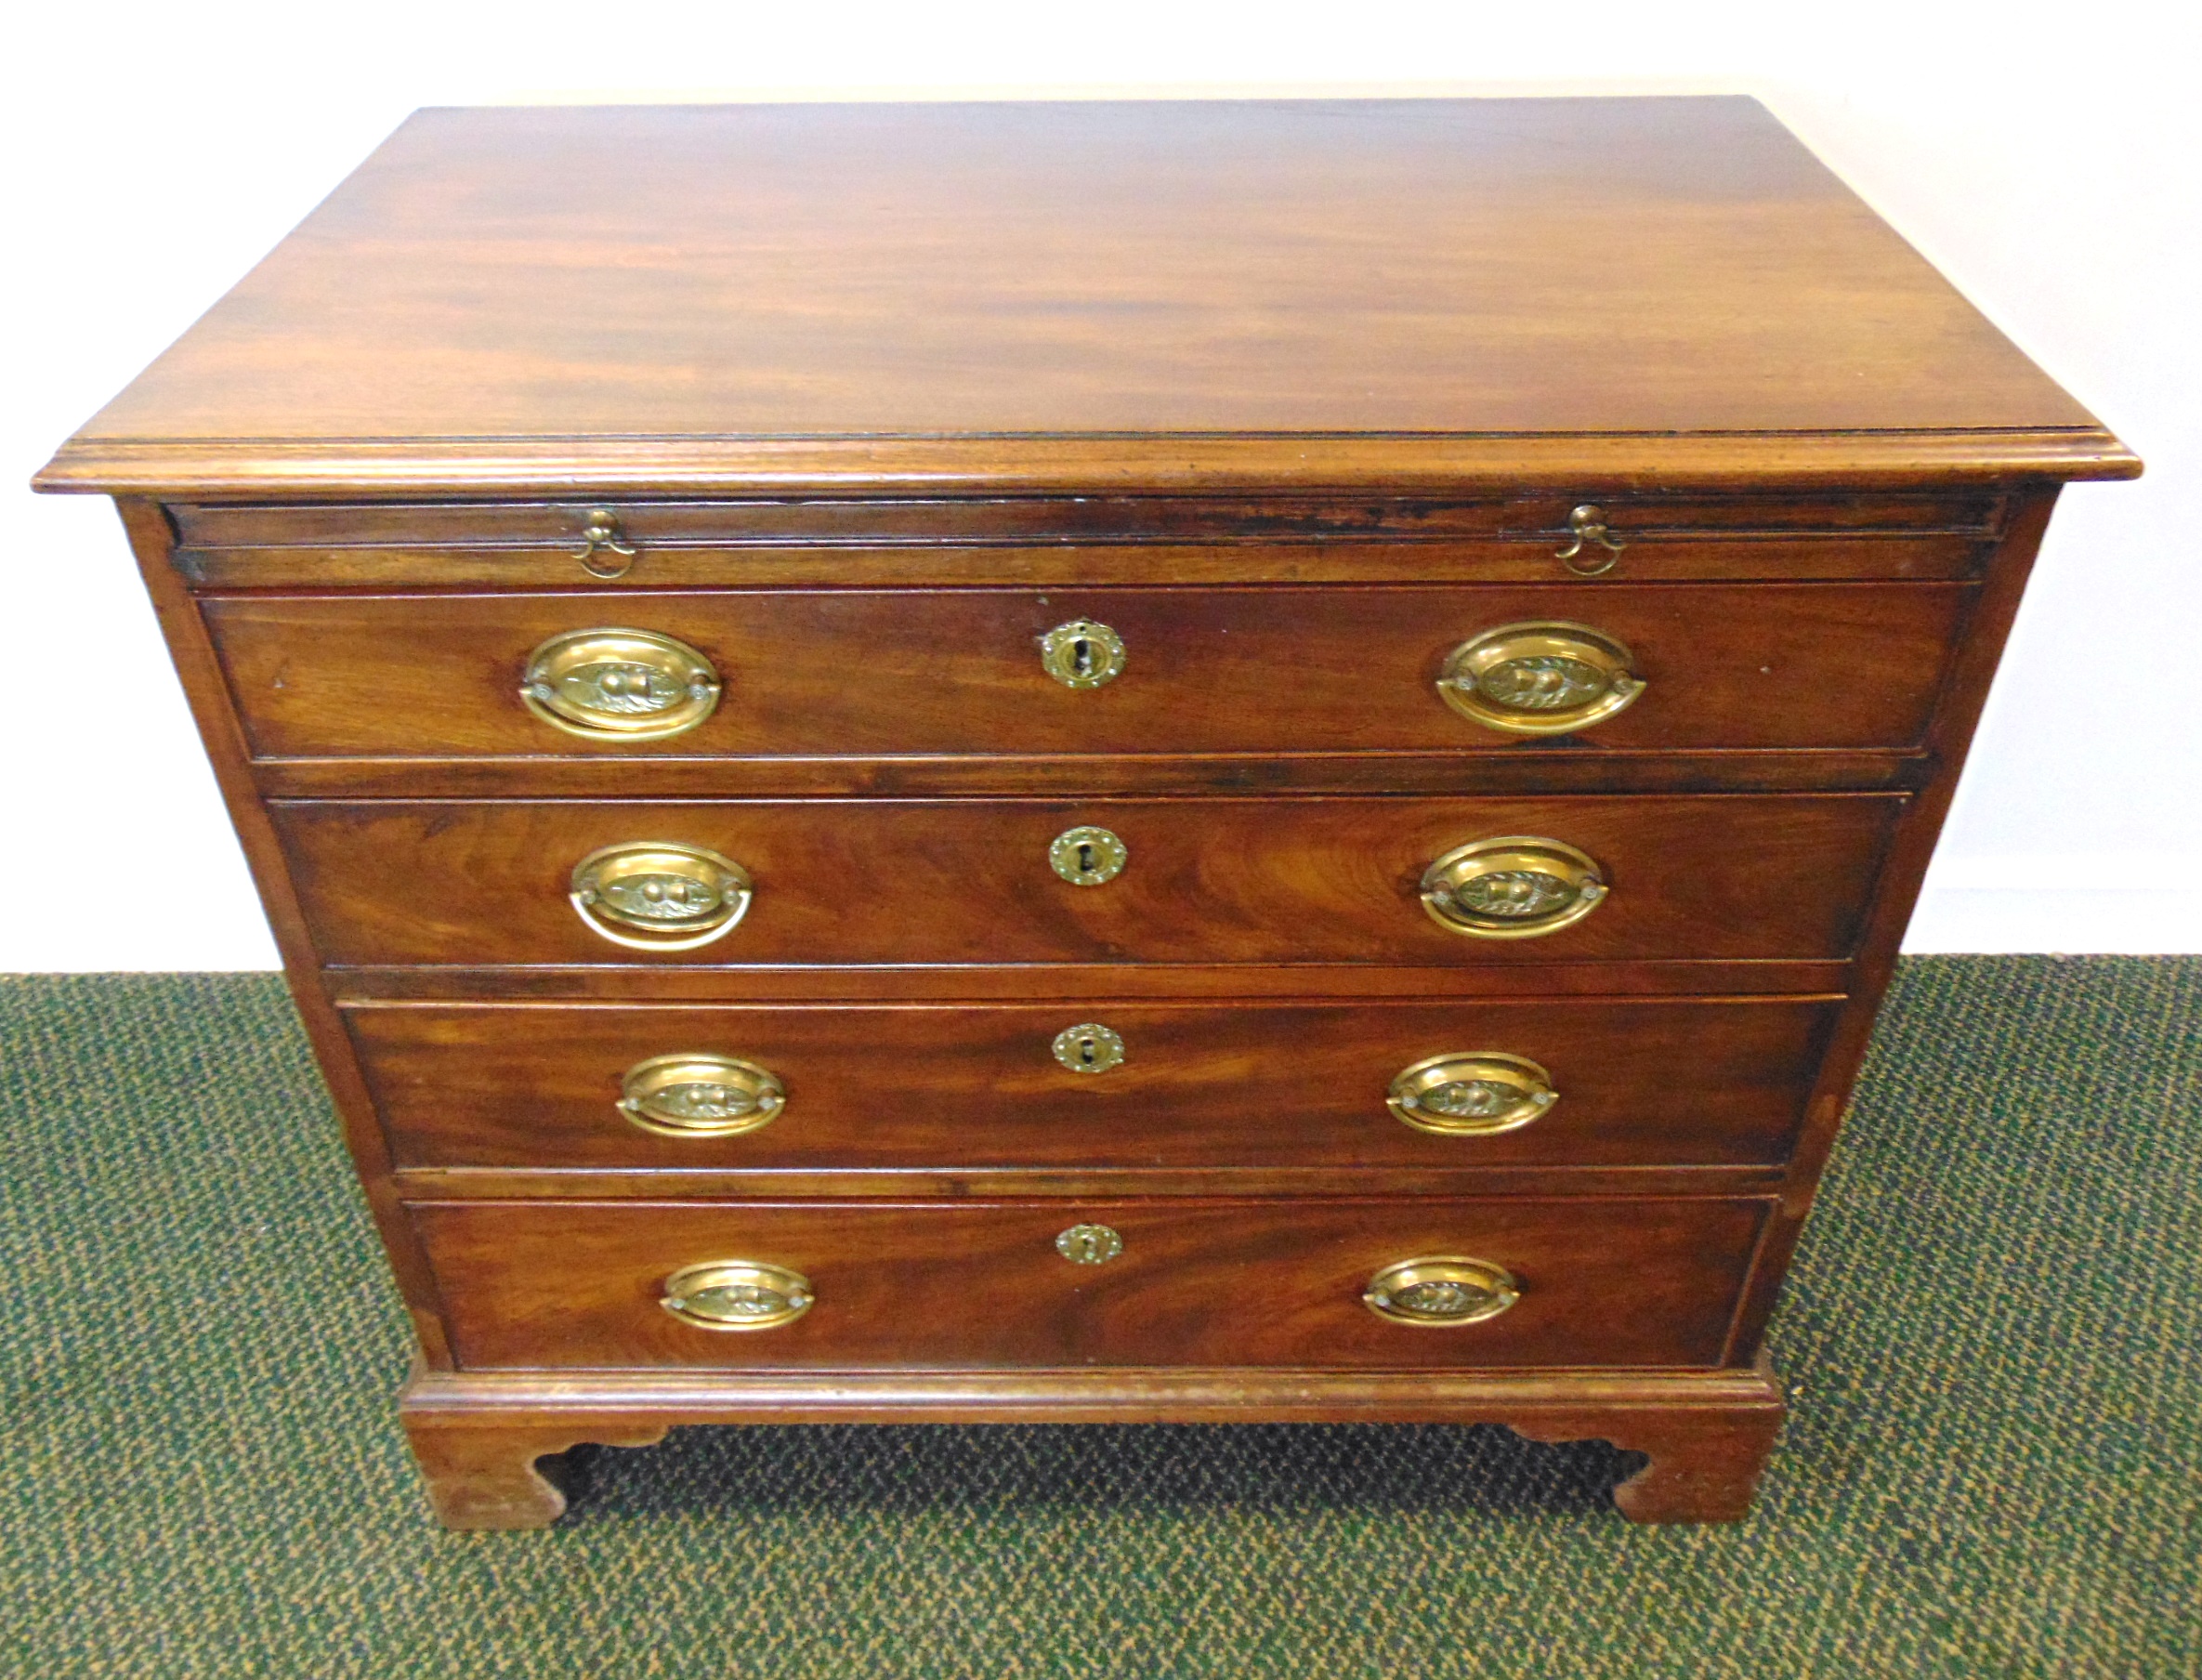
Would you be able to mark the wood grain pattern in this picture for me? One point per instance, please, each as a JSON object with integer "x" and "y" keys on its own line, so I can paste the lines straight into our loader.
{"x": 953, "y": 1088}
{"x": 911, "y": 281}
{"x": 1210, "y": 881}
{"x": 577, "y": 1285}
{"x": 1858, "y": 557}
{"x": 1705, "y": 1434}
{"x": 1584, "y": 767}
{"x": 1895, "y": 894}
{"x": 1085, "y": 982}
{"x": 1289, "y": 393}
{"x": 151, "y": 543}
{"x": 1603, "y": 465}
{"x": 1279, "y": 671}
{"x": 816, "y": 529}
{"x": 1112, "y": 1183}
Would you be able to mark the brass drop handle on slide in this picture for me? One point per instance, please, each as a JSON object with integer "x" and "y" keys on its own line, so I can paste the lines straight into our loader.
{"x": 600, "y": 535}
{"x": 1588, "y": 527}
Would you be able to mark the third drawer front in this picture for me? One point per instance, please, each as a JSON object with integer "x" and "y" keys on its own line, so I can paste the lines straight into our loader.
{"x": 1631, "y": 1282}
{"x": 1543, "y": 1082}
{"x": 1195, "y": 881}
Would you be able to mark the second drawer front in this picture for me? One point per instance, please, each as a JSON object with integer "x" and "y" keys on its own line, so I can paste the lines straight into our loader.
{"x": 1203, "y": 880}
{"x": 578, "y": 1285}
{"x": 1197, "y": 1084}
{"x": 870, "y": 673}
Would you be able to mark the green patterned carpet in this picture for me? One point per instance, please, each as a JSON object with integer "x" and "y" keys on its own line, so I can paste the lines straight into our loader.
{"x": 1992, "y": 1467}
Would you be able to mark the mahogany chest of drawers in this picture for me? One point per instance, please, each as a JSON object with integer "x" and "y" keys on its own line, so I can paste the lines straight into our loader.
{"x": 1196, "y": 762}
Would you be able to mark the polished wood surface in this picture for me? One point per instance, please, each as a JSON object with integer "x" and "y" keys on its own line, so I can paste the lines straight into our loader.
{"x": 1641, "y": 1083}
{"x": 577, "y": 1285}
{"x": 863, "y": 672}
{"x": 1374, "y": 537}
{"x": 1085, "y": 982}
{"x": 1211, "y": 880}
{"x": 881, "y": 294}
{"x": 1294, "y": 395}
{"x": 478, "y": 1437}
{"x": 1308, "y": 525}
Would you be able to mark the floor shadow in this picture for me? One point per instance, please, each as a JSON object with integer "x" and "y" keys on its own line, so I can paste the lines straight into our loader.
{"x": 1129, "y": 1467}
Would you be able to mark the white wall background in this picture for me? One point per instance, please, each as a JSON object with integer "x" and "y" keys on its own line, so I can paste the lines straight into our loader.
{"x": 2047, "y": 159}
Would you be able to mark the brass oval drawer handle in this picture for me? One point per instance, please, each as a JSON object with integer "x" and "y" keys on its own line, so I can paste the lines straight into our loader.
{"x": 1087, "y": 855}
{"x": 1082, "y": 654}
{"x": 599, "y": 536}
{"x": 672, "y": 897}
{"x": 737, "y": 1295}
{"x": 1089, "y": 1245}
{"x": 1089, "y": 1047}
{"x": 1440, "y": 1291}
{"x": 1472, "y": 1094}
{"x": 1542, "y": 678}
{"x": 1587, "y": 523}
{"x": 1517, "y": 886}
{"x": 618, "y": 684}
{"x": 701, "y": 1095}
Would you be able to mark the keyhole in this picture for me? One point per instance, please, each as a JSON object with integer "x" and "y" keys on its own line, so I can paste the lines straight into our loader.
{"x": 1086, "y": 857}
{"x": 1088, "y": 1048}
{"x": 1082, "y": 657}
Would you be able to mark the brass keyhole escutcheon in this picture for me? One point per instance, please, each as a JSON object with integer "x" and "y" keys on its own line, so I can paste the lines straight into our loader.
{"x": 1471, "y": 1094}
{"x": 1516, "y": 886}
{"x": 701, "y": 1095}
{"x": 1087, "y": 855}
{"x": 616, "y": 684}
{"x": 1089, "y": 1047}
{"x": 737, "y": 1295}
{"x": 1542, "y": 677}
{"x": 1440, "y": 1291}
{"x": 1089, "y": 1245}
{"x": 1082, "y": 654}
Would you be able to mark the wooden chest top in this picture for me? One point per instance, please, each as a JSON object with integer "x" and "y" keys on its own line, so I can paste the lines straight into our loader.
{"x": 1064, "y": 297}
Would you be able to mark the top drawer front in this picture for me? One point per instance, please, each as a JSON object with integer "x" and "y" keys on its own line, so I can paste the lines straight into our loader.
{"x": 1087, "y": 540}
{"x": 842, "y": 673}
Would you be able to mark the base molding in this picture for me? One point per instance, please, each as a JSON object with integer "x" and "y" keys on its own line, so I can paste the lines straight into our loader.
{"x": 478, "y": 1437}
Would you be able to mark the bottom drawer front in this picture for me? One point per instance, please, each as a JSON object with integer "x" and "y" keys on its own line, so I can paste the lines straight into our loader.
{"x": 966, "y": 1285}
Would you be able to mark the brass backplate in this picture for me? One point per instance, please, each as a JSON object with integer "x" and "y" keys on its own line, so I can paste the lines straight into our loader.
{"x": 1513, "y": 887}
{"x": 1472, "y": 1094}
{"x": 1540, "y": 678}
{"x": 674, "y": 897}
{"x": 737, "y": 1295}
{"x": 615, "y": 684}
{"x": 1440, "y": 1291}
{"x": 700, "y": 1093}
